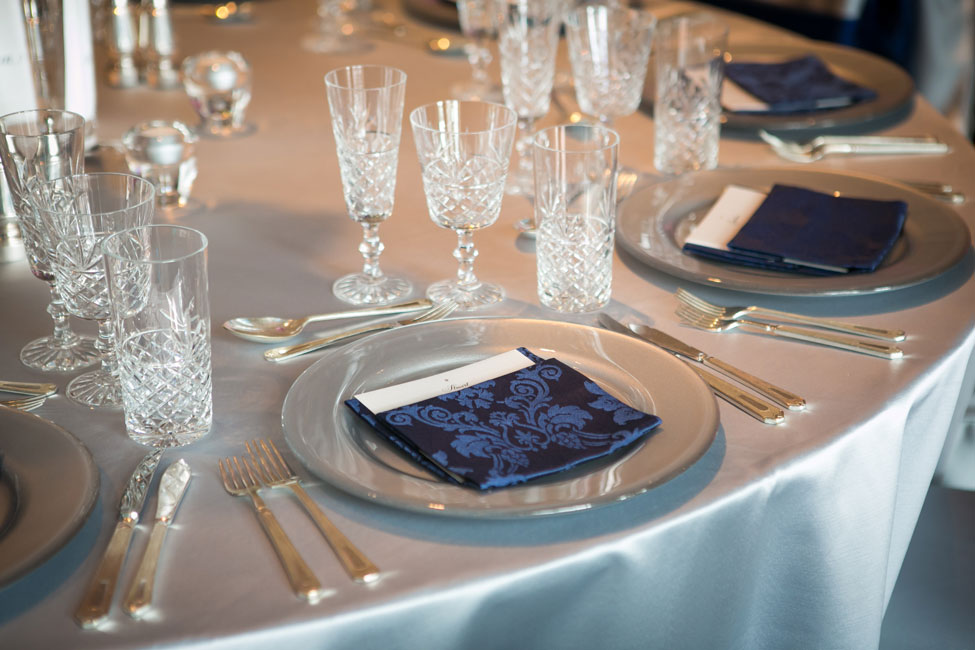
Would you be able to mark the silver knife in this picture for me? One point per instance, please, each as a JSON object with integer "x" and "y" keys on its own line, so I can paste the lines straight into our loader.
{"x": 668, "y": 342}
{"x": 753, "y": 406}
{"x": 172, "y": 486}
{"x": 98, "y": 597}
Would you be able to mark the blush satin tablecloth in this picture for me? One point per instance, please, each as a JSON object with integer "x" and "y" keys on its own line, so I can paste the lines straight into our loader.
{"x": 788, "y": 536}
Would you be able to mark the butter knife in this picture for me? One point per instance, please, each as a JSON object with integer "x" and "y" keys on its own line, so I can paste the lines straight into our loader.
{"x": 753, "y": 406}
{"x": 678, "y": 347}
{"x": 172, "y": 486}
{"x": 98, "y": 597}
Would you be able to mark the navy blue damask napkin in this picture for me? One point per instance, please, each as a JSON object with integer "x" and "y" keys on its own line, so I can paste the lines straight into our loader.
{"x": 794, "y": 225}
{"x": 798, "y": 85}
{"x": 536, "y": 421}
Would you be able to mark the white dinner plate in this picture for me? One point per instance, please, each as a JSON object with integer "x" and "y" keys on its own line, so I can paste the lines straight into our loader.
{"x": 339, "y": 447}
{"x": 654, "y": 222}
{"x": 49, "y": 486}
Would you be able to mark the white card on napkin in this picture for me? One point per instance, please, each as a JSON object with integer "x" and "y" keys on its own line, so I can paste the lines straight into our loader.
{"x": 729, "y": 213}
{"x": 391, "y": 397}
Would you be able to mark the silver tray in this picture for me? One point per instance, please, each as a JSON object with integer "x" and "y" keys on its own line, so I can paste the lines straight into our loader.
{"x": 655, "y": 220}
{"x": 50, "y": 484}
{"x": 337, "y": 446}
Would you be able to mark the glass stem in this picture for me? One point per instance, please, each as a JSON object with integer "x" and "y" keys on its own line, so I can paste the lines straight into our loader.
{"x": 479, "y": 57}
{"x": 523, "y": 144}
{"x": 63, "y": 336}
{"x": 465, "y": 254}
{"x": 371, "y": 247}
{"x": 105, "y": 344}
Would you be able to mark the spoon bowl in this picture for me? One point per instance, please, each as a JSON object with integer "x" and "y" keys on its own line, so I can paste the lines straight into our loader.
{"x": 272, "y": 329}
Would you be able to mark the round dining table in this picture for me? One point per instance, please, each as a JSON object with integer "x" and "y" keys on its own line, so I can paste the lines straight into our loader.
{"x": 777, "y": 536}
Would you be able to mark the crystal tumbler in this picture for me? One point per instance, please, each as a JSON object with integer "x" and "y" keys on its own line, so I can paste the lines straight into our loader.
{"x": 219, "y": 87}
{"x": 163, "y": 153}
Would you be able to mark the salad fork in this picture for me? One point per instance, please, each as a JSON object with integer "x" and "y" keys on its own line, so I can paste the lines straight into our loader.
{"x": 438, "y": 311}
{"x": 701, "y": 320}
{"x": 822, "y": 146}
{"x": 762, "y": 313}
{"x": 239, "y": 480}
{"x": 275, "y": 472}
{"x": 24, "y": 403}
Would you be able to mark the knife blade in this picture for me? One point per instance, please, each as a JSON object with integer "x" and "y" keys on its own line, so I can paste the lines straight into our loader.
{"x": 678, "y": 347}
{"x": 97, "y": 600}
{"x": 172, "y": 486}
{"x": 753, "y": 406}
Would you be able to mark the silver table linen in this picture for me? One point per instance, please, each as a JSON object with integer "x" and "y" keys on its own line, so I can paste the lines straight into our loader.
{"x": 779, "y": 537}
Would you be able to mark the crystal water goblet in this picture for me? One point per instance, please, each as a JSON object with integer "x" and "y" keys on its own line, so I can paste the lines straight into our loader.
{"x": 219, "y": 85}
{"x": 478, "y": 23}
{"x": 39, "y": 145}
{"x": 79, "y": 212}
{"x": 464, "y": 150}
{"x": 366, "y": 103}
{"x": 333, "y": 34}
{"x": 528, "y": 36}
{"x": 609, "y": 49}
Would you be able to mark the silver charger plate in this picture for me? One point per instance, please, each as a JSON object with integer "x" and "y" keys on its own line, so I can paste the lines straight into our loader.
{"x": 51, "y": 485}
{"x": 655, "y": 220}
{"x": 337, "y": 446}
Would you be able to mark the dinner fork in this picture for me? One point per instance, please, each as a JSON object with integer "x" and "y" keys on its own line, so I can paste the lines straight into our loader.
{"x": 28, "y": 388}
{"x": 438, "y": 311}
{"x": 763, "y": 313}
{"x": 24, "y": 403}
{"x": 824, "y": 145}
{"x": 275, "y": 472}
{"x": 695, "y": 318}
{"x": 239, "y": 480}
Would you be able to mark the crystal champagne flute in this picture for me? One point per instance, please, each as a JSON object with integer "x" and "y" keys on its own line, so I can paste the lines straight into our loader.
{"x": 464, "y": 150}
{"x": 38, "y": 145}
{"x": 366, "y": 103}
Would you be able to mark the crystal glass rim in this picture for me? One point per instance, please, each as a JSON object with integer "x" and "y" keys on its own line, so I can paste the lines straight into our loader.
{"x": 146, "y": 186}
{"x": 158, "y": 227}
{"x": 610, "y": 139}
{"x": 512, "y": 117}
{"x": 573, "y": 18}
{"x": 716, "y": 29}
{"x": 332, "y": 80}
{"x": 188, "y": 135}
{"x": 6, "y": 122}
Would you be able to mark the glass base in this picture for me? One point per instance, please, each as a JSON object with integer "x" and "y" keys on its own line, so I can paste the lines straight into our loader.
{"x": 46, "y": 354}
{"x": 482, "y": 295}
{"x": 526, "y": 227}
{"x": 331, "y": 44}
{"x": 179, "y": 437}
{"x": 225, "y": 130}
{"x": 95, "y": 389}
{"x": 362, "y": 289}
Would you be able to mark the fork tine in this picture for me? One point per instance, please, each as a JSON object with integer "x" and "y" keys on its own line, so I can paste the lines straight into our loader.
{"x": 263, "y": 471}
{"x": 276, "y": 458}
{"x": 25, "y": 403}
{"x": 689, "y": 298}
{"x": 439, "y": 311}
{"x": 227, "y": 474}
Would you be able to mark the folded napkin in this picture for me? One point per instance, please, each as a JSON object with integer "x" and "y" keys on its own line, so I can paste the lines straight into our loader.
{"x": 540, "y": 419}
{"x": 796, "y": 229}
{"x": 794, "y": 86}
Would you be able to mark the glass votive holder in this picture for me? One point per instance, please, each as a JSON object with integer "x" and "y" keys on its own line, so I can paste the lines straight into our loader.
{"x": 219, "y": 87}
{"x": 163, "y": 153}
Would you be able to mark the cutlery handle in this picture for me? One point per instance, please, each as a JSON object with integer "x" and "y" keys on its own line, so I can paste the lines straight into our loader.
{"x": 140, "y": 591}
{"x": 773, "y": 392}
{"x": 28, "y": 388}
{"x": 401, "y": 308}
{"x": 291, "y": 351}
{"x": 830, "y": 340}
{"x": 97, "y": 600}
{"x": 863, "y": 330}
{"x": 753, "y": 406}
{"x": 881, "y": 140}
{"x": 302, "y": 580}
{"x": 888, "y": 148}
{"x": 355, "y": 563}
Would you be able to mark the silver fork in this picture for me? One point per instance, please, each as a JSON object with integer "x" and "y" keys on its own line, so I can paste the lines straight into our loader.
{"x": 438, "y": 311}
{"x": 762, "y": 313}
{"x": 824, "y": 145}
{"x": 275, "y": 472}
{"x": 239, "y": 480}
{"x": 24, "y": 403}
{"x": 701, "y": 320}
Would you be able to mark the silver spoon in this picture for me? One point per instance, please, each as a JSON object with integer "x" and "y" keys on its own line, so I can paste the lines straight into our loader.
{"x": 271, "y": 329}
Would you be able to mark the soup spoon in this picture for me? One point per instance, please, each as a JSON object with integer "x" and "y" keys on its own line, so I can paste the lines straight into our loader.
{"x": 270, "y": 329}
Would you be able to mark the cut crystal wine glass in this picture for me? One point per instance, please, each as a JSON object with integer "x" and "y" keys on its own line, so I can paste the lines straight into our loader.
{"x": 478, "y": 23}
{"x": 464, "y": 150}
{"x": 38, "y": 145}
{"x": 366, "y": 102}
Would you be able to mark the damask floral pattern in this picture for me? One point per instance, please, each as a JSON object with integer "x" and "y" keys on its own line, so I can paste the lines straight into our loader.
{"x": 536, "y": 421}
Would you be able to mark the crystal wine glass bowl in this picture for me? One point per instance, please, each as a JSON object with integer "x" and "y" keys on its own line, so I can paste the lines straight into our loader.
{"x": 464, "y": 150}
{"x": 477, "y": 22}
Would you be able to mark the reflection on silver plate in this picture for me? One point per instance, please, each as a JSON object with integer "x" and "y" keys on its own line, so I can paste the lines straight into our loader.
{"x": 656, "y": 219}
{"x": 51, "y": 486}
{"x": 341, "y": 449}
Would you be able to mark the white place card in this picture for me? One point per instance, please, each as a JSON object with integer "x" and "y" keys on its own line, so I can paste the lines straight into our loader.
{"x": 729, "y": 213}
{"x": 391, "y": 397}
